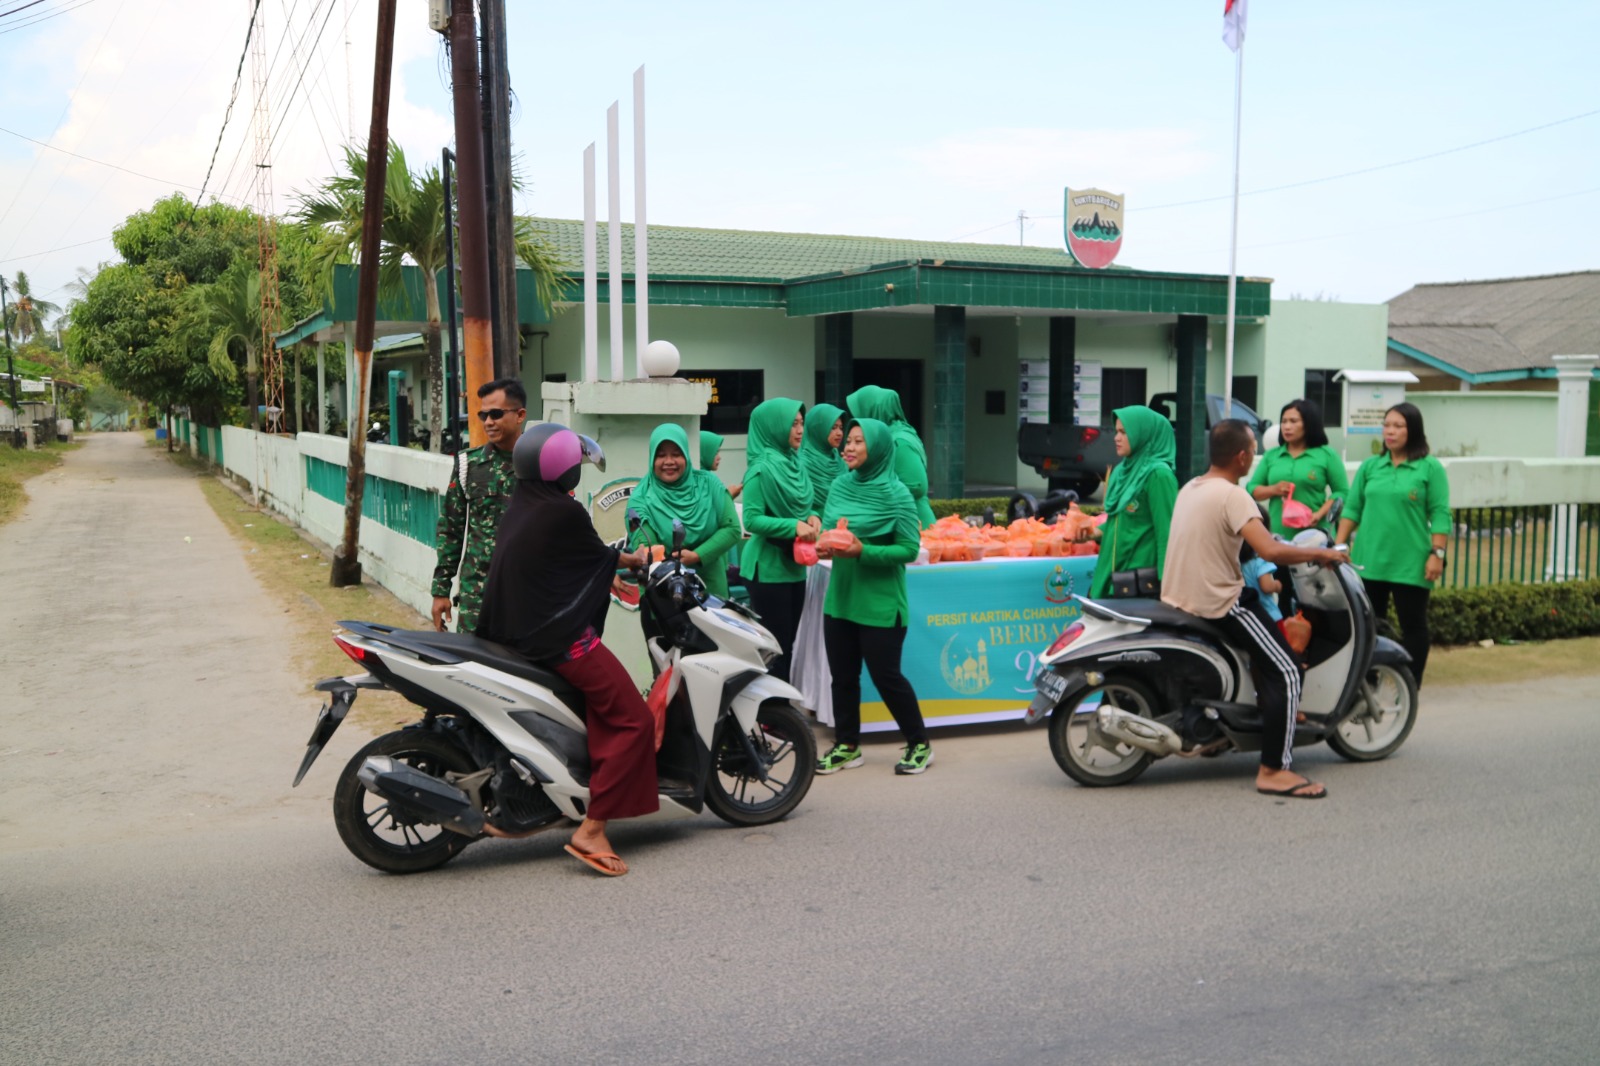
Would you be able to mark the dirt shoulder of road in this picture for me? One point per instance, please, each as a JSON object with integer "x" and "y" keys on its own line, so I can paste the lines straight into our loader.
{"x": 294, "y": 569}
{"x": 17, "y": 466}
{"x": 1578, "y": 657}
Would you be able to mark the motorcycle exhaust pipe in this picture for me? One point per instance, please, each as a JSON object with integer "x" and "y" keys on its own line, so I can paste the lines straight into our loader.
{"x": 1138, "y": 731}
{"x": 421, "y": 796}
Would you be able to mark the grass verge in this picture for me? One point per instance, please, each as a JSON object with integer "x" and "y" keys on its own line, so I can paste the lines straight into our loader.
{"x": 17, "y": 466}
{"x": 1577, "y": 657}
{"x": 294, "y": 571}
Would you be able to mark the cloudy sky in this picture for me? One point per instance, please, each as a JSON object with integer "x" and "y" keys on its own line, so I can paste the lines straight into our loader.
{"x": 1363, "y": 160}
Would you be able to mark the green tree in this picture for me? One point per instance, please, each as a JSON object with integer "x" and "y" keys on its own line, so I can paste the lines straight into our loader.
{"x": 413, "y": 231}
{"x": 225, "y": 316}
{"x": 25, "y": 314}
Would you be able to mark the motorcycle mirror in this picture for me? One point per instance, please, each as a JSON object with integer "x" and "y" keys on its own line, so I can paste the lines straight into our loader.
{"x": 634, "y": 521}
{"x": 677, "y": 535}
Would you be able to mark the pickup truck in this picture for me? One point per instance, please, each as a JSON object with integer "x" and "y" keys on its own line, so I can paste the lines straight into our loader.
{"x": 1077, "y": 458}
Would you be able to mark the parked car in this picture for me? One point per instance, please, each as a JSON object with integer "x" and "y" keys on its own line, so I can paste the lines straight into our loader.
{"x": 1077, "y": 458}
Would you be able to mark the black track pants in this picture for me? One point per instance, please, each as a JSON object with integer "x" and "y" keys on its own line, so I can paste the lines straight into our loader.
{"x": 1249, "y": 628}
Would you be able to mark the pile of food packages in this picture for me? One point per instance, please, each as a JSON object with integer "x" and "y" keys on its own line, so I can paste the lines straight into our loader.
{"x": 954, "y": 540}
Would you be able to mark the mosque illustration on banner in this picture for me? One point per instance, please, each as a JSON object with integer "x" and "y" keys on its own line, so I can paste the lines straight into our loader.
{"x": 964, "y": 671}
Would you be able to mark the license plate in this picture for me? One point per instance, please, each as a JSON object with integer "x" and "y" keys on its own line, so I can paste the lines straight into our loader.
{"x": 1051, "y": 688}
{"x": 1051, "y": 685}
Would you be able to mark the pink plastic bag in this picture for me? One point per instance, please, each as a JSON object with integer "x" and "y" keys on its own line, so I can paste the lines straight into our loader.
{"x": 1297, "y": 515}
{"x": 805, "y": 552}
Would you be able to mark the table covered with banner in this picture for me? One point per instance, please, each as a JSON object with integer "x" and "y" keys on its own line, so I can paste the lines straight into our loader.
{"x": 973, "y": 640}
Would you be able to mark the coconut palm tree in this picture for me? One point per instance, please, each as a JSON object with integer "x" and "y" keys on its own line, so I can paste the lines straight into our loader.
{"x": 26, "y": 312}
{"x": 414, "y": 231}
{"x": 225, "y": 316}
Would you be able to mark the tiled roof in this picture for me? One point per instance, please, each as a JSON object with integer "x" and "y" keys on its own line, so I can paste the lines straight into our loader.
{"x": 749, "y": 255}
{"x": 1512, "y": 324}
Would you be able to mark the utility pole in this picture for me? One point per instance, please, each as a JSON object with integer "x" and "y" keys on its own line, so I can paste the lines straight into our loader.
{"x": 452, "y": 368}
{"x": 346, "y": 568}
{"x": 11, "y": 366}
{"x": 470, "y": 188}
{"x": 496, "y": 102}
{"x": 1021, "y": 218}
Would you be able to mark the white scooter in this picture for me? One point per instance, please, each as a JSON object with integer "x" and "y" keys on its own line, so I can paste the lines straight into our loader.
{"x": 501, "y": 749}
{"x": 1136, "y": 680}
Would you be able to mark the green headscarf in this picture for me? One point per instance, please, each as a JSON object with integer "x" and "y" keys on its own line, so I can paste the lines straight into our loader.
{"x": 883, "y": 405}
{"x": 695, "y": 498}
{"x": 710, "y": 445}
{"x": 821, "y": 459}
{"x": 1153, "y": 444}
{"x": 872, "y": 497}
{"x": 785, "y": 487}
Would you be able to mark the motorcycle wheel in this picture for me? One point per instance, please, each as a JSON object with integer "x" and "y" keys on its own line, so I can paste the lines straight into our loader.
{"x": 1088, "y": 756}
{"x": 783, "y": 742}
{"x": 1370, "y": 735}
{"x": 386, "y": 839}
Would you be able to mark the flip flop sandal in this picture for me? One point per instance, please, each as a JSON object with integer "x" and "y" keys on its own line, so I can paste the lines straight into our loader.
{"x": 592, "y": 859}
{"x": 1293, "y": 791}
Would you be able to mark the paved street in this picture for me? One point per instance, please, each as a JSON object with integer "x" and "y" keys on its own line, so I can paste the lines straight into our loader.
{"x": 164, "y": 896}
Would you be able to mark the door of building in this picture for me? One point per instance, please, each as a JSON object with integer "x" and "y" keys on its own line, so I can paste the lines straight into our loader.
{"x": 902, "y": 375}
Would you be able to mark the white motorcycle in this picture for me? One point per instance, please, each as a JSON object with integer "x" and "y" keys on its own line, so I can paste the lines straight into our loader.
{"x": 1136, "y": 680}
{"x": 501, "y": 749}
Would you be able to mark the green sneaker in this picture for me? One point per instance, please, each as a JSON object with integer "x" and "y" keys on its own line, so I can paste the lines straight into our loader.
{"x": 840, "y": 757}
{"x": 918, "y": 757}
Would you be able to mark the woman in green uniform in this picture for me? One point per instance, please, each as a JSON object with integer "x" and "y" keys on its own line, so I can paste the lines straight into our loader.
{"x": 865, "y": 615}
{"x": 1302, "y": 467}
{"x": 1400, "y": 504}
{"x": 1139, "y": 498}
{"x": 777, "y": 512}
{"x": 910, "y": 457}
{"x": 671, "y": 490}
{"x": 711, "y": 457}
{"x": 819, "y": 451}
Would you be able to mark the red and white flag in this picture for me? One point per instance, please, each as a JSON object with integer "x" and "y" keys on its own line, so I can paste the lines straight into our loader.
{"x": 1233, "y": 24}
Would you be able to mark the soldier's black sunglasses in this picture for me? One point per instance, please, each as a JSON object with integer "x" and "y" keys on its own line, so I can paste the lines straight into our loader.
{"x": 496, "y": 413}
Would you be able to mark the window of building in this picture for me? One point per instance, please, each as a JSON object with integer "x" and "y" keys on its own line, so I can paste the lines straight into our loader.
{"x": 734, "y": 394}
{"x": 1244, "y": 390}
{"x": 1122, "y": 386}
{"x": 1327, "y": 394}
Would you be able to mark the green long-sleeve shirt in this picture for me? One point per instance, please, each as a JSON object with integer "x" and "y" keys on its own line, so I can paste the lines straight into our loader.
{"x": 909, "y": 469}
{"x": 761, "y": 558}
{"x": 1314, "y": 472}
{"x": 871, "y": 590}
{"x": 713, "y": 550}
{"x": 1136, "y": 536}
{"x": 1397, "y": 509}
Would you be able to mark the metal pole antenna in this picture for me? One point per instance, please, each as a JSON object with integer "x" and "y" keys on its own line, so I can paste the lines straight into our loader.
{"x": 1233, "y": 241}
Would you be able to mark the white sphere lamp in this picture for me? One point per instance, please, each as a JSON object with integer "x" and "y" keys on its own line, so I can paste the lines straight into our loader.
{"x": 660, "y": 359}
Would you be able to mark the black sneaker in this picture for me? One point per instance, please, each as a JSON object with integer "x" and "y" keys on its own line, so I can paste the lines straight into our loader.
{"x": 916, "y": 760}
{"x": 840, "y": 757}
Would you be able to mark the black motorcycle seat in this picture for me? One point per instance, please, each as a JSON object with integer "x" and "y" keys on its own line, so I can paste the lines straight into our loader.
{"x": 458, "y": 647}
{"x": 1164, "y": 614}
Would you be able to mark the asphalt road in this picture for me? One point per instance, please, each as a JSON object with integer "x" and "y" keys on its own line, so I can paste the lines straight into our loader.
{"x": 164, "y": 897}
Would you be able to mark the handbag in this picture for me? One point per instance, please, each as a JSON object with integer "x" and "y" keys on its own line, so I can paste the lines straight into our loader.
{"x": 1142, "y": 583}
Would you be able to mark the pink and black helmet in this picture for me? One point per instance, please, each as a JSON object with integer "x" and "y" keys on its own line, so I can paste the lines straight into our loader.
{"x": 551, "y": 452}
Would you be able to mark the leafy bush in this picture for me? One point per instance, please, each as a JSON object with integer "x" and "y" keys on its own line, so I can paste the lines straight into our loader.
{"x": 1515, "y": 612}
{"x": 974, "y": 505}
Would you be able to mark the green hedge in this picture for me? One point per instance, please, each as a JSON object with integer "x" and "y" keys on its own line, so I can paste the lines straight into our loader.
{"x": 1515, "y": 612}
{"x": 976, "y": 504}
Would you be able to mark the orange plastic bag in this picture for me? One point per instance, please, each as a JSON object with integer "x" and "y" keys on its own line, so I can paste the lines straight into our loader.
{"x": 1297, "y": 631}
{"x": 660, "y": 695}
{"x": 838, "y": 537}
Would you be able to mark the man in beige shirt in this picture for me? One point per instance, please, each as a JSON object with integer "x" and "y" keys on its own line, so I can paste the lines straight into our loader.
{"x": 1202, "y": 576}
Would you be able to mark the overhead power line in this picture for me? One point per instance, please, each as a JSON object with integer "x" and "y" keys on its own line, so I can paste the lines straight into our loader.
{"x": 1329, "y": 177}
{"x": 232, "y": 97}
{"x": 47, "y": 251}
{"x": 97, "y": 162}
{"x": 21, "y": 7}
{"x": 42, "y": 16}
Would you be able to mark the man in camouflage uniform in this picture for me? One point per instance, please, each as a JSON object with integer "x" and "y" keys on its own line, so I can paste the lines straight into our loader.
{"x": 480, "y": 487}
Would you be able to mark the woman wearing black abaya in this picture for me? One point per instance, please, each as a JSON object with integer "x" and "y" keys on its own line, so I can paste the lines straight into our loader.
{"x": 546, "y": 596}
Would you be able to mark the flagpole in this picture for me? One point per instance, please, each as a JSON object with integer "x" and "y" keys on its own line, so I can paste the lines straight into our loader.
{"x": 1233, "y": 239}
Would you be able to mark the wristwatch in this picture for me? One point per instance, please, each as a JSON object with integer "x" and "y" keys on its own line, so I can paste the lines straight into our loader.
{"x": 1438, "y": 553}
